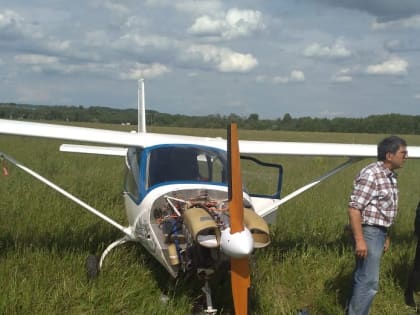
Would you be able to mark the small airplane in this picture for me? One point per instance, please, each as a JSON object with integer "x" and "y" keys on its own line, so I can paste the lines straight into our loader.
{"x": 184, "y": 197}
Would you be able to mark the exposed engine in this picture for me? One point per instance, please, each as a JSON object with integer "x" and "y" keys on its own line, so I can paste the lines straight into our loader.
{"x": 190, "y": 223}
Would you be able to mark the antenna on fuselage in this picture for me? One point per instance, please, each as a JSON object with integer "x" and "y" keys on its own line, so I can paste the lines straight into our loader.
{"x": 141, "y": 107}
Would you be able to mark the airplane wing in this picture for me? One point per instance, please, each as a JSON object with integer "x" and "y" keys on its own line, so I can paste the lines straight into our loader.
{"x": 126, "y": 139}
{"x": 110, "y": 137}
{"x": 264, "y": 207}
{"x": 75, "y": 148}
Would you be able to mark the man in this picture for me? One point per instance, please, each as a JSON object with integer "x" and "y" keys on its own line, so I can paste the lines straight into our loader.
{"x": 372, "y": 209}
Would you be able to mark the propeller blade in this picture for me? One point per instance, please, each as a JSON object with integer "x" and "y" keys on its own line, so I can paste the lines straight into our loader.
{"x": 235, "y": 182}
{"x": 240, "y": 278}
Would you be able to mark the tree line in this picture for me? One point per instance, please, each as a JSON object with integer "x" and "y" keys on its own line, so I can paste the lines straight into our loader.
{"x": 388, "y": 123}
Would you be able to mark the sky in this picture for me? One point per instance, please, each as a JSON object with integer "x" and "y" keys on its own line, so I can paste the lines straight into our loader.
{"x": 316, "y": 58}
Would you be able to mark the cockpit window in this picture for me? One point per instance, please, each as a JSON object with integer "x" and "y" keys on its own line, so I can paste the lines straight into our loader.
{"x": 179, "y": 163}
{"x": 132, "y": 173}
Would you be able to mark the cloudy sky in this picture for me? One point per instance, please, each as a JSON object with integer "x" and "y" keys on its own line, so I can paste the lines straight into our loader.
{"x": 318, "y": 58}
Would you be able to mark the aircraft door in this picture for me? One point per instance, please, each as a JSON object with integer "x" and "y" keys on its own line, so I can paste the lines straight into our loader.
{"x": 260, "y": 178}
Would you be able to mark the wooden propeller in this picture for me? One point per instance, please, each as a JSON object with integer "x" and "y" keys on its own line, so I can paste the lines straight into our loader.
{"x": 240, "y": 278}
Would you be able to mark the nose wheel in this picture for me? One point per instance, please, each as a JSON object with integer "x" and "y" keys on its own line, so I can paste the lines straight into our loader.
{"x": 92, "y": 267}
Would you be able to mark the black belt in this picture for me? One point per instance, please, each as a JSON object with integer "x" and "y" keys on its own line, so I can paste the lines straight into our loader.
{"x": 383, "y": 228}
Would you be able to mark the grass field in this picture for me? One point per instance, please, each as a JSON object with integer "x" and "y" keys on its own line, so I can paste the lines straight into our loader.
{"x": 45, "y": 238}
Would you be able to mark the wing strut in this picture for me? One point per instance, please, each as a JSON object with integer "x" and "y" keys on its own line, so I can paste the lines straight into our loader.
{"x": 240, "y": 277}
{"x": 272, "y": 207}
{"x": 126, "y": 231}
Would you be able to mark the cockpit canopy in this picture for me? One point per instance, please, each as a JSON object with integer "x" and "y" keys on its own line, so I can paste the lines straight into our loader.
{"x": 150, "y": 167}
{"x": 185, "y": 163}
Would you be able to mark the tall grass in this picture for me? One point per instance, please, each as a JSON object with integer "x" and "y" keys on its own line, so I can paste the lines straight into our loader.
{"x": 45, "y": 238}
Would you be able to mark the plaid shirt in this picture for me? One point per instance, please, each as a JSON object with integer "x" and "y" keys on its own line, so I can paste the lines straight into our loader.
{"x": 375, "y": 194}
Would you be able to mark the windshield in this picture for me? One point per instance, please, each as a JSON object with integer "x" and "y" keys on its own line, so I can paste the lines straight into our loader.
{"x": 186, "y": 163}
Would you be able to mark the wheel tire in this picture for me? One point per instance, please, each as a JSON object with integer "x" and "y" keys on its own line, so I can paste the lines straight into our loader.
{"x": 92, "y": 267}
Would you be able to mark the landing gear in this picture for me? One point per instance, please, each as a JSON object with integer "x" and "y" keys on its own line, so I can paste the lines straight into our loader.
{"x": 94, "y": 264}
{"x": 121, "y": 241}
{"x": 207, "y": 291}
{"x": 203, "y": 305}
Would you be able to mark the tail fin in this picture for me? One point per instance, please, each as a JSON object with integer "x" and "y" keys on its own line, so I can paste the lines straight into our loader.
{"x": 141, "y": 108}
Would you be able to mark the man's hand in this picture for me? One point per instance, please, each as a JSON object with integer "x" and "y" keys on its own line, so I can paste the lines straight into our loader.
{"x": 387, "y": 243}
{"x": 355, "y": 218}
{"x": 361, "y": 249}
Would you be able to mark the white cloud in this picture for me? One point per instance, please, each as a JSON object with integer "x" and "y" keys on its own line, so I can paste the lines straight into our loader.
{"x": 342, "y": 79}
{"x": 101, "y": 43}
{"x": 236, "y": 62}
{"x": 417, "y": 96}
{"x": 410, "y": 22}
{"x": 188, "y": 6}
{"x": 57, "y": 45}
{"x": 112, "y": 6}
{"x": 280, "y": 80}
{"x": 223, "y": 59}
{"x": 393, "y": 66}
{"x": 205, "y": 26}
{"x": 33, "y": 59}
{"x": 10, "y": 18}
{"x": 236, "y": 23}
{"x": 115, "y": 6}
{"x": 295, "y": 76}
{"x": 260, "y": 78}
{"x": 385, "y": 9}
{"x": 96, "y": 38}
{"x": 134, "y": 41}
{"x": 337, "y": 50}
{"x": 135, "y": 22}
{"x": 11, "y": 23}
{"x": 402, "y": 45}
{"x": 50, "y": 64}
{"x": 393, "y": 44}
{"x": 14, "y": 27}
{"x": 342, "y": 76}
{"x": 140, "y": 70}
{"x": 34, "y": 95}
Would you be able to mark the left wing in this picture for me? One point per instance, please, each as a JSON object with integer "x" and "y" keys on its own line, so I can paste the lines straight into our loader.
{"x": 110, "y": 137}
{"x": 75, "y": 148}
{"x": 127, "y": 139}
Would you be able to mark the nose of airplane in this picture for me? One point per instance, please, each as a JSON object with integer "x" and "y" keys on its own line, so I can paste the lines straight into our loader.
{"x": 237, "y": 245}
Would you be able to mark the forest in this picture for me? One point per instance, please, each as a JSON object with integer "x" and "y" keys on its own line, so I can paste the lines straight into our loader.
{"x": 392, "y": 123}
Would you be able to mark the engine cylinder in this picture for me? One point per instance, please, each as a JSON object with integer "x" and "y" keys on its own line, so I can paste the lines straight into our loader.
{"x": 258, "y": 227}
{"x": 202, "y": 227}
{"x": 173, "y": 255}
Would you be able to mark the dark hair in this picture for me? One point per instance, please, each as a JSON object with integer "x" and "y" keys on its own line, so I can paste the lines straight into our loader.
{"x": 389, "y": 145}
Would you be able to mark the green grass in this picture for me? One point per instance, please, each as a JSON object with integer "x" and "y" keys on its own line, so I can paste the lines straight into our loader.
{"x": 45, "y": 238}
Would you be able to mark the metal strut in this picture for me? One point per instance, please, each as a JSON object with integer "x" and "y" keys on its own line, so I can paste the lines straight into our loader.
{"x": 125, "y": 230}
{"x": 273, "y": 207}
{"x": 121, "y": 241}
{"x": 207, "y": 291}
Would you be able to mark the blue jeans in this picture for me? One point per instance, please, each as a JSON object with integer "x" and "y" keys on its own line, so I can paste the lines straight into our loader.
{"x": 366, "y": 273}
